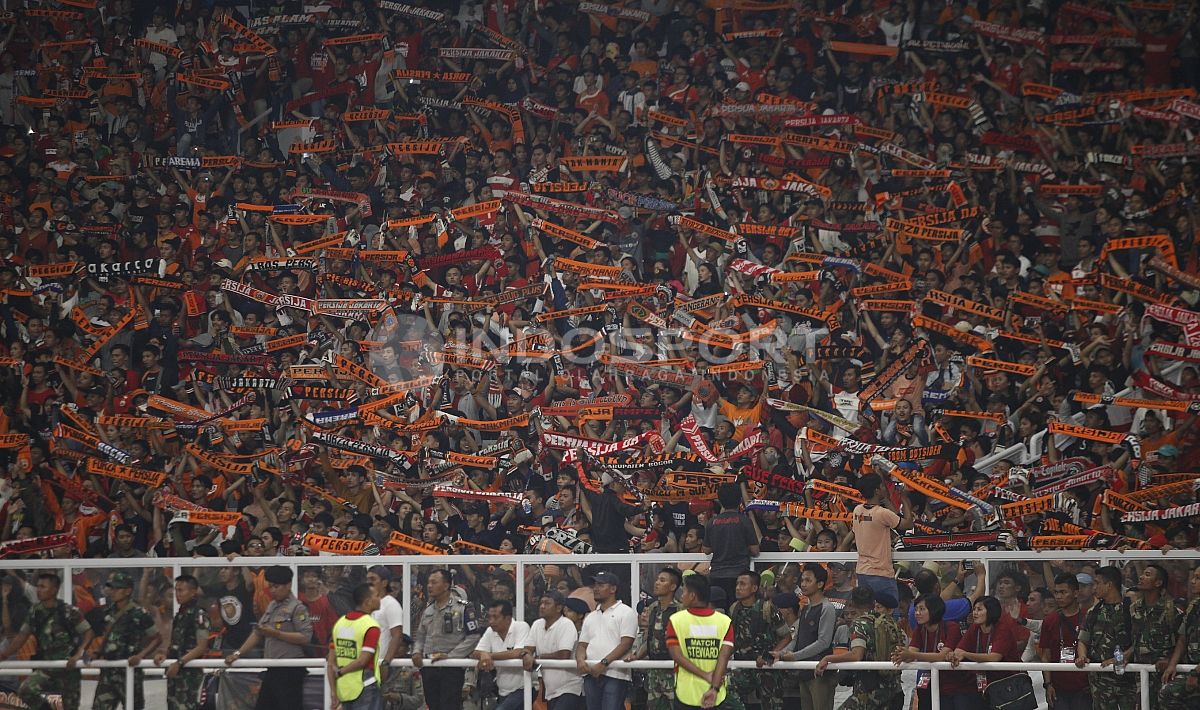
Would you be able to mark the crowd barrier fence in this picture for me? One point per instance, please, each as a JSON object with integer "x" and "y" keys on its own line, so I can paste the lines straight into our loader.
{"x": 407, "y": 562}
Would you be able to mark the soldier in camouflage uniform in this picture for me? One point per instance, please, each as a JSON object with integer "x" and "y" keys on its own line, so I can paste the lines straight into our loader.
{"x": 1182, "y": 692}
{"x": 758, "y": 632}
{"x": 872, "y": 690}
{"x": 660, "y": 683}
{"x": 128, "y": 634}
{"x": 1155, "y": 620}
{"x": 61, "y": 633}
{"x": 189, "y": 641}
{"x": 1108, "y": 626}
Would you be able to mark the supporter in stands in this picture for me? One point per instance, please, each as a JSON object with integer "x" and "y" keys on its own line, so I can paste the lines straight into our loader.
{"x": 270, "y": 280}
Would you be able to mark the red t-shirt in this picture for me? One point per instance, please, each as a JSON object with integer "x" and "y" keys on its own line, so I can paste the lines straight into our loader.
{"x": 323, "y": 618}
{"x": 1157, "y": 55}
{"x": 1060, "y": 631}
{"x": 1001, "y": 639}
{"x": 947, "y": 636}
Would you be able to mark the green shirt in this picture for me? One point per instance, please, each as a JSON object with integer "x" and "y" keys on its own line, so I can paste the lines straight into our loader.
{"x": 58, "y": 629}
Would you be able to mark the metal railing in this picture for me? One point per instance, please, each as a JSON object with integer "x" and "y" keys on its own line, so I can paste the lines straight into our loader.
{"x": 635, "y": 562}
{"x": 935, "y": 669}
{"x": 408, "y": 563}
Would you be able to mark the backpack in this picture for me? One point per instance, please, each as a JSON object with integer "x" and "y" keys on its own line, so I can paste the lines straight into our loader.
{"x": 888, "y": 635}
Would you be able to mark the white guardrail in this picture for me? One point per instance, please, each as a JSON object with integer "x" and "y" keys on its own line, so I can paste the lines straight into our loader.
{"x": 635, "y": 562}
{"x": 9, "y": 668}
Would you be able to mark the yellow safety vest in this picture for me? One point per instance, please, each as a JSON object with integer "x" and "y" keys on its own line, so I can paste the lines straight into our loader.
{"x": 700, "y": 639}
{"x": 348, "y": 637}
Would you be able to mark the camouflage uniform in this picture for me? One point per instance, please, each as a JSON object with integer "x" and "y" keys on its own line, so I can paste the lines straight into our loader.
{"x": 125, "y": 635}
{"x": 660, "y": 684}
{"x": 59, "y": 631}
{"x": 1106, "y": 627}
{"x": 188, "y": 629}
{"x": 756, "y": 631}
{"x": 1154, "y": 637}
{"x": 873, "y": 690}
{"x": 1175, "y": 695}
{"x": 403, "y": 691}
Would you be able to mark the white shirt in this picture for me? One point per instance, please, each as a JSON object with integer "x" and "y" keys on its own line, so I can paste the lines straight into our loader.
{"x": 389, "y": 615}
{"x": 164, "y": 36}
{"x": 561, "y": 636}
{"x": 508, "y": 680}
{"x": 603, "y": 630}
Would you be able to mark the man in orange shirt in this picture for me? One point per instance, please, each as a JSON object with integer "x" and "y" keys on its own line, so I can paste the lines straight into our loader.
{"x": 872, "y": 528}
{"x": 747, "y": 413}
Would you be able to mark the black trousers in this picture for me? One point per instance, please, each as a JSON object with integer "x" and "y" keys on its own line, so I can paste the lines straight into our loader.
{"x": 281, "y": 688}
{"x": 443, "y": 687}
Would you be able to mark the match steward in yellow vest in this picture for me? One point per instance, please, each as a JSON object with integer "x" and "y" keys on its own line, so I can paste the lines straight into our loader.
{"x": 353, "y": 655}
{"x": 700, "y": 641}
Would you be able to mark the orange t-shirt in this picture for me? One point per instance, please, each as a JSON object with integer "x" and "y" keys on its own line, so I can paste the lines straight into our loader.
{"x": 873, "y": 537}
{"x": 743, "y": 419}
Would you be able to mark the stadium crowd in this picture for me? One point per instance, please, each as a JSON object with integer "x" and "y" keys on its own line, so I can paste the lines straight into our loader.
{"x": 351, "y": 278}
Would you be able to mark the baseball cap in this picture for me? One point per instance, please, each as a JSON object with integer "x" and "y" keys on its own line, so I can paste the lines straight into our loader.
{"x": 120, "y": 580}
{"x": 1168, "y": 450}
{"x": 1084, "y": 578}
{"x": 786, "y": 600}
{"x": 605, "y": 578}
{"x": 577, "y": 605}
{"x": 742, "y": 86}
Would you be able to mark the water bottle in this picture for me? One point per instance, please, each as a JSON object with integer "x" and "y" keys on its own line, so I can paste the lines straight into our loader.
{"x": 1119, "y": 661}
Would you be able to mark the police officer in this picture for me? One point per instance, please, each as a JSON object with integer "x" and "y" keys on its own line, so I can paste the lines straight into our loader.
{"x": 660, "y": 683}
{"x": 1182, "y": 692}
{"x": 448, "y": 628}
{"x": 285, "y": 627}
{"x": 700, "y": 641}
{"x": 354, "y": 658}
{"x": 128, "y": 634}
{"x": 1108, "y": 627}
{"x": 1155, "y": 620}
{"x": 62, "y": 634}
{"x": 189, "y": 641}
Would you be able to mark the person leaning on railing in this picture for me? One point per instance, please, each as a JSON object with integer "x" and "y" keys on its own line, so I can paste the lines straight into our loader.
{"x": 660, "y": 683}
{"x": 189, "y": 641}
{"x": 284, "y": 629}
{"x": 1155, "y": 623}
{"x": 814, "y": 628}
{"x": 873, "y": 625}
{"x": 1182, "y": 692}
{"x": 993, "y": 636}
{"x": 1106, "y": 630}
{"x": 448, "y": 628}
{"x": 61, "y": 633}
{"x": 1058, "y": 644}
{"x": 129, "y": 633}
{"x": 553, "y": 637}
{"x": 934, "y": 639}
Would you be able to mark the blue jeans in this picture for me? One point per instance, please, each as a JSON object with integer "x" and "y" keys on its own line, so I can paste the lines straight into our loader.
{"x": 605, "y": 693}
{"x": 369, "y": 699}
{"x": 879, "y": 583}
{"x": 512, "y": 701}
{"x": 566, "y": 701}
